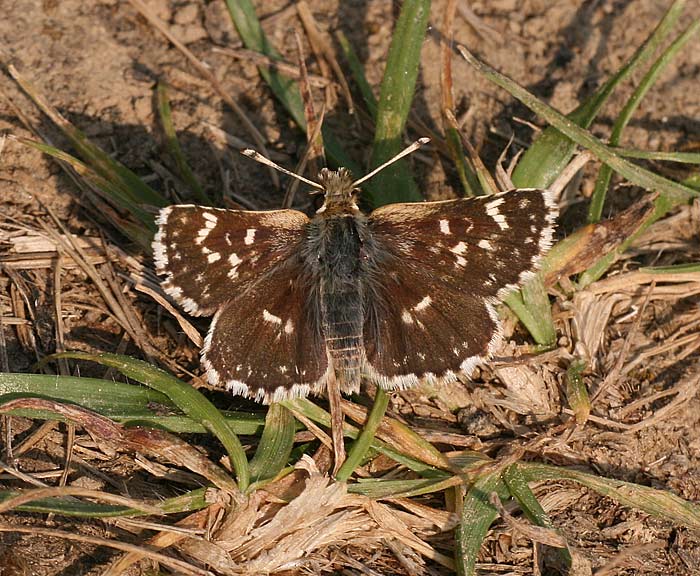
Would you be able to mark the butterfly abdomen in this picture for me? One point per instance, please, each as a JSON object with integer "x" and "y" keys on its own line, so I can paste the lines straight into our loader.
{"x": 340, "y": 289}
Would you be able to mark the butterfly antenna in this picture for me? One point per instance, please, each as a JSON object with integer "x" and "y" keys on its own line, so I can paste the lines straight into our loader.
{"x": 405, "y": 152}
{"x": 260, "y": 158}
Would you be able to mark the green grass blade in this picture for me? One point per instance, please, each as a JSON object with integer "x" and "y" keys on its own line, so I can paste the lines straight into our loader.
{"x": 194, "y": 500}
{"x": 658, "y": 503}
{"x": 322, "y": 417}
{"x": 275, "y": 444}
{"x": 125, "y": 403}
{"x": 364, "y": 440}
{"x": 402, "y": 488}
{"x": 117, "y": 195}
{"x": 174, "y": 149}
{"x": 680, "y": 157}
{"x": 531, "y": 305}
{"x": 99, "y": 161}
{"x": 358, "y": 73}
{"x": 285, "y": 89}
{"x": 477, "y": 516}
{"x": 551, "y": 151}
{"x": 249, "y": 29}
{"x": 635, "y": 174}
{"x": 576, "y": 391}
{"x": 687, "y": 268}
{"x": 394, "y": 183}
{"x": 519, "y": 489}
{"x": 595, "y": 209}
{"x": 186, "y": 398}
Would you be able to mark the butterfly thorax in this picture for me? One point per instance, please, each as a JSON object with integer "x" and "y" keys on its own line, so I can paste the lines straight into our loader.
{"x": 340, "y": 196}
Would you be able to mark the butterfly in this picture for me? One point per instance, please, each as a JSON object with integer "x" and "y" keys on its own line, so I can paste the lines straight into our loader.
{"x": 404, "y": 294}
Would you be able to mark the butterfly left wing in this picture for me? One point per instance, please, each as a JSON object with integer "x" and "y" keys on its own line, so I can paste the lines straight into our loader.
{"x": 443, "y": 268}
{"x": 266, "y": 343}
{"x": 210, "y": 254}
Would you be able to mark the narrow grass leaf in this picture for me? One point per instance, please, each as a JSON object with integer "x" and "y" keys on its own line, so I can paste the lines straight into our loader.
{"x": 477, "y": 516}
{"x": 403, "y": 488}
{"x": 98, "y": 160}
{"x": 358, "y": 73}
{"x": 595, "y": 209}
{"x": 659, "y": 503}
{"x": 394, "y": 183}
{"x": 364, "y": 440}
{"x": 194, "y": 500}
{"x": 117, "y": 195}
{"x": 689, "y": 267}
{"x": 275, "y": 446}
{"x": 321, "y": 416}
{"x": 285, "y": 89}
{"x": 680, "y": 157}
{"x": 551, "y": 151}
{"x": 531, "y": 305}
{"x": 635, "y": 174}
{"x": 128, "y": 404}
{"x": 249, "y": 29}
{"x": 576, "y": 391}
{"x": 519, "y": 489}
{"x": 174, "y": 148}
{"x": 186, "y": 398}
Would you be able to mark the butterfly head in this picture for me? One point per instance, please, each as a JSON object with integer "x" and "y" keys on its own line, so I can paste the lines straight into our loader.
{"x": 340, "y": 193}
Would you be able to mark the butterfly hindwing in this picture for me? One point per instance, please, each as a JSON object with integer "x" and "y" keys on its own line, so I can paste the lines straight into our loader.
{"x": 266, "y": 343}
{"x": 212, "y": 254}
{"x": 445, "y": 266}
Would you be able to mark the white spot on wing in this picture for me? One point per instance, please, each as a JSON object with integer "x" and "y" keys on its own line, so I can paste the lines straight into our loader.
{"x": 406, "y": 317}
{"x": 485, "y": 244}
{"x": 213, "y": 257}
{"x": 498, "y": 218}
{"x": 271, "y": 318}
{"x": 460, "y": 248}
{"x": 445, "y": 226}
{"x": 460, "y": 262}
{"x": 492, "y": 207}
{"x": 423, "y": 304}
{"x": 234, "y": 260}
{"x": 249, "y": 236}
{"x": 289, "y": 327}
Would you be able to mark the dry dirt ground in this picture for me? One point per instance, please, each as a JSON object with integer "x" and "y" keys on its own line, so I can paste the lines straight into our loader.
{"x": 97, "y": 62}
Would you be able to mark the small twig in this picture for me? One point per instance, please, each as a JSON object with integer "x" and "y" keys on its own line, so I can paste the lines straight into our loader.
{"x": 324, "y": 53}
{"x": 538, "y": 534}
{"x": 622, "y": 355}
{"x": 315, "y": 154}
{"x": 191, "y": 332}
{"x": 566, "y": 175}
{"x": 278, "y": 65}
{"x": 337, "y": 419}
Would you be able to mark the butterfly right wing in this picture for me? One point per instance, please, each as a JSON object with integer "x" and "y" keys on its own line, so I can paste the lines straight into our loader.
{"x": 440, "y": 269}
{"x": 209, "y": 255}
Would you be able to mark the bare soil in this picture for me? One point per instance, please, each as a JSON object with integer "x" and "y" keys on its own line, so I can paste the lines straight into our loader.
{"x": 98, "y": 62}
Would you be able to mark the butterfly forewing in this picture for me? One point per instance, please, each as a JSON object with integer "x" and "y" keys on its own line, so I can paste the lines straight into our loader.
{"x": 210, "y": 255}
{"x": 444, "y": 267}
